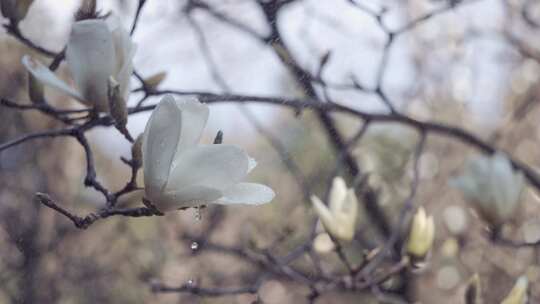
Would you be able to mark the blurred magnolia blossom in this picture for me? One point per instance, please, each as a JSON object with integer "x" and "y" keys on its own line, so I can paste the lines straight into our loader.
{"x": 96, "y": 51}
{"x": 421, "y": 235}
{"x": 518, "y": 294}
{"x": 339, "y": 218}
{"x": 492, "y": 186}
{"x": 15, "y": 10}
{"x": 180, "y": 173}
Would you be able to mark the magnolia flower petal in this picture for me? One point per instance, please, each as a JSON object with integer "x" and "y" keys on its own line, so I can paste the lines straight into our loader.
{"x": 467, "y": 185}
{"x": 213, "y": 166}
{"x": 321, "y": 209}
{"x": 327, "y": 218}
{"x": 509, "y": 184}
{"x": 422, "y": 234}
{"x": 91, "y": 59}
{"x": 194, "y": 118}
{"x": 247, "y": 193}
{"x": 347, "y": 214}
{"x": 188, "y": 197}
{"x": 159, "y": 145}
{"x": 46, "y": 76}
{"x": 477, "y": 166}
{"x": 125, "y": 50}
{"x": 337, "y": 193}
{"x": 430, "y": 232}
{"x": 502, "y": 183}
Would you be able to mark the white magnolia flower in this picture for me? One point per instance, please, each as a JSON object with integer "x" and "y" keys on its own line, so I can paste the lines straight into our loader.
{"x": 96, "y": 50}
{"x": 492, "y": 186}
{"x": 421, "y": 235}
{"x": 518, "y": 294}
{"x": 339, "y": 218}
{"x": 179, "y": 172}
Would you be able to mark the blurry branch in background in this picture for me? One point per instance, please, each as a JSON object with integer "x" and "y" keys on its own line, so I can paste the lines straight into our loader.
{"x": 380, "y": 263}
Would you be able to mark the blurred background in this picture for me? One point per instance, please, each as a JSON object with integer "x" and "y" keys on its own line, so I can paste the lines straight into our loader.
{"x": 475, "y": 65}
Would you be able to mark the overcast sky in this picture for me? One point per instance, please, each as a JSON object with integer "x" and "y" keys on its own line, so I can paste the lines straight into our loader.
{"x": 166, "y": 43}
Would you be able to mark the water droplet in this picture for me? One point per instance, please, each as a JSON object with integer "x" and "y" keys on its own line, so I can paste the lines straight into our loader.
{"x": 194, "y": 246}
{"x": 191, "y": 282}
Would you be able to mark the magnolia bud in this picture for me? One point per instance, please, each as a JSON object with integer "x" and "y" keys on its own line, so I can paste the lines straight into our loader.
{"x": 492, "y": 186}
{"x": 136, "y": 152}
{"x": 118, "y": 107}
{"x": 518, "y": 294}
{"x": 339, "y": 217}
{"x": 421, "y": 235}
{"x": 473, "y": 293}
{"x": 35, "y": 89}
{"x": 15, "y": 10}
{"x": 153, "y": 81}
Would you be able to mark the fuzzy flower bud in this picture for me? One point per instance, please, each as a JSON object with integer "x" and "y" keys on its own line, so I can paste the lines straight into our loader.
{"x": 117, "y": 106}
{"x": 339, "y": 218}
{"x": 421, "y": 235}
{"x": 492, "y": 186}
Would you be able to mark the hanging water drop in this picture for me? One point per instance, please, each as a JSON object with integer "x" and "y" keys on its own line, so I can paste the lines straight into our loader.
{"x": 194, "y": 246}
